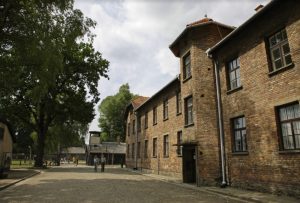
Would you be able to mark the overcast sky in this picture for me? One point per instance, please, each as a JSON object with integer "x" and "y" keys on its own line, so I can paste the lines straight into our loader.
{"x": 134, "y": 36}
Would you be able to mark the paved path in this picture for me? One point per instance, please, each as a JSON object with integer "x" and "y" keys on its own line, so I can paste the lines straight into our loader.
{"x": 82, "y": 184}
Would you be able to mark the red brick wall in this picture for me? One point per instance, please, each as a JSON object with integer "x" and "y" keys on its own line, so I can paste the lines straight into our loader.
{"x": 264, "y": 167}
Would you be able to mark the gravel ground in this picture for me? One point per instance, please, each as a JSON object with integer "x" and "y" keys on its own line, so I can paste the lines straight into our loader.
{"x": 81, "y": 184}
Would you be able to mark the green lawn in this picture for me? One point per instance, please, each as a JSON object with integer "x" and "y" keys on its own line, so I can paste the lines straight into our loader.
{"x": 17, "y": 164}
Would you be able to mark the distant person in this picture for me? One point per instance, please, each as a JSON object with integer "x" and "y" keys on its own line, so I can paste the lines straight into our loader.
{"x": 76, "y": 160}
{"x": 122, "y": 162}
{"x": 96, "y": 162}
{"x": 103, "y": 160}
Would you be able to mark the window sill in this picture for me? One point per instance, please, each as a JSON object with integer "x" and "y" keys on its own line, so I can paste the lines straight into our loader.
{"x": 178, "y": 114}
{"x": 240, "y": 153}
{"x": 165, "y": 119}
{"x": 289, "y": 152}
{"x": 154, "y": 124}
{"x": 275, "y": 72}
{"x": 189, "y": 125}
{"x": 234, "y": 90}
{"x": 186, "y": 79}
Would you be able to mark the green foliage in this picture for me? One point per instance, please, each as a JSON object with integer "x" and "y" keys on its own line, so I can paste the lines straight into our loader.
{"x": 49, "y": 69}
{"x": 65, "y": 135}
{"x": 112, "y": 110}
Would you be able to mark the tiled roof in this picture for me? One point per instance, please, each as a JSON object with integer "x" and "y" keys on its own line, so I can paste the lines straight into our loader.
{"x": 138, "y": 101}
{"x": 203, "y": 20}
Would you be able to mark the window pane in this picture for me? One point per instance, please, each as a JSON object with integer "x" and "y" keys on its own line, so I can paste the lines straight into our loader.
{"x": 288, "y": 142}
{"x": 243, "y": 122}
{"x": 237, "y": 73}
{"x": 290, "y": 112}
{"x": 297, "y": 110}
{"x": 238, "y": 123}
{"x": 278, "y": 37}
{"x": 284, "y": 36}
{"x": 238, "y": 142}
{"x": 272, "y": 41}
{"x": 276, "y": 53}
{"x": 238, "y": 61}
{"x": 232, "y": 75}
{"x": 278, "y": 64}
{"x": 288, "y": 59}
{"x": 286, "y": 48}
{"x": 238, "y": 82}
{"x": 296, "y": 127}
{"x": 283, "y": 115}
{"x": 244, "y": 140}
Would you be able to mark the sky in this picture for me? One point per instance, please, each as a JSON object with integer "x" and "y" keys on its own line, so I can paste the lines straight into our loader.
{"x": 134, "y": 36}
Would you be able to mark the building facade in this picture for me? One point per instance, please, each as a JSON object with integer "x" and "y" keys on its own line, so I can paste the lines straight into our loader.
{"x": 238, "y": 118}
{"x": 259, "y": 70}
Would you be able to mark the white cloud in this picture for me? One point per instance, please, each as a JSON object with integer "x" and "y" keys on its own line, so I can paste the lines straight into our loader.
{"x": 134, "y": 35}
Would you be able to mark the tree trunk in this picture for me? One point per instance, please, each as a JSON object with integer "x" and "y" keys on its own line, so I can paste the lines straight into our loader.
{"x": 40, "y": 148}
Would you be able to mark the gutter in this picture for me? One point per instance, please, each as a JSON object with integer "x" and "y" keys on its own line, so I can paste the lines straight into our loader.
{"x": 220, "y": 120}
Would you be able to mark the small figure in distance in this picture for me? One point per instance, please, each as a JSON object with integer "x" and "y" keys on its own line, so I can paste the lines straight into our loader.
{"x": 96, "y": 162}
{"x": 103, "y": 160}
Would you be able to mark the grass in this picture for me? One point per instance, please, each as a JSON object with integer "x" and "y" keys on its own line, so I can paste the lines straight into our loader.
{"x": 17, "y": 164}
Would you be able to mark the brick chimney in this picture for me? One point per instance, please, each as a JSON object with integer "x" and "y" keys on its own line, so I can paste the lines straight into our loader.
{"x": 258, "y": 8}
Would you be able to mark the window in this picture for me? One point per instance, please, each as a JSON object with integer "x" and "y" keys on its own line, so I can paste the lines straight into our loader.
{"x": 154, "y": 153}
{"x": 289, "y": 118}
{"x": 166, "y": 146}
{"x": 133, "y": 127}
{"x": 128, "y": 150}
{"x": 178, "y": 103}
{"x": 154, "y": 115}
{"x": 165, "y": 109}
{"x": 187, "y": 66}
{"x": 132, "y": 151}
{"x": 128, "y": 129}
{"x": 279, "y": 50}
{"x": 239, "y": 134}
{"x": 139, "y": 124}
{"x": 179, "y": 142}
{"x": 234, "y": 74}
{"x": 146, "y": 149}
{"x": 139, "y": 150}
{"x": 146, "y": 120}
{"x": 189, "y": 111}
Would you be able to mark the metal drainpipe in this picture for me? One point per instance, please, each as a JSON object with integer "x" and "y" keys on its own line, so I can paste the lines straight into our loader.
{"x": 136, "y": 140}
{"x": 220, "y": 124}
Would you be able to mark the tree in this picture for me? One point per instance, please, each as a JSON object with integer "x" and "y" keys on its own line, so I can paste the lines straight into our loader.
{"x": 112, "y": 110}
{"x": 50, "y": 67}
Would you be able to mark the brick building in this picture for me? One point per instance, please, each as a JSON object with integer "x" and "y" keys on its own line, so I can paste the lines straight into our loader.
{"x": 259, "y": 69}
{"x": 233, "y": 115}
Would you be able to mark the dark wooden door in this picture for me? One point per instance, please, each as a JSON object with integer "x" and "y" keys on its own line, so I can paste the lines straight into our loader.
{"x": 188, "y": 164}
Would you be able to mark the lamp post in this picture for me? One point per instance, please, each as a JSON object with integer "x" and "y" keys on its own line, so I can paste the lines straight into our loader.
{"x": 29, "y": 154}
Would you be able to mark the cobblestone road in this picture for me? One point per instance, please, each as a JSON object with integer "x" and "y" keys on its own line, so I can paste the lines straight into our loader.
{"x": 82, "y": 184}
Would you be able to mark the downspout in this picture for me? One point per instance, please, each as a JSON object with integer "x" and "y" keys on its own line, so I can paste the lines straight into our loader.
{"x": 136, "y": 141}
{"x": 220, "y": 119}
{"x": 220, "y": 123}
